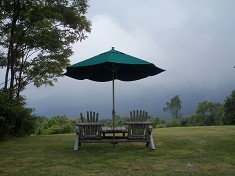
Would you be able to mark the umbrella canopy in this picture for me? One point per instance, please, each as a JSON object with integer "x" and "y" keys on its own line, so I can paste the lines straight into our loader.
{"x": 112, "y": 65}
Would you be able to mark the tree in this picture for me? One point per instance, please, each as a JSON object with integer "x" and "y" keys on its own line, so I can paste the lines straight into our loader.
{"x": 229, "y": 109}
{"x": 36, "y": 38}
{"x": 209, "y": 113}
{"x": 174, "y": 106}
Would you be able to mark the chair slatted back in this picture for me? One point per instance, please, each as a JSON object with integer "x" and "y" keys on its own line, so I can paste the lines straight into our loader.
{"x": 137, "y": 124}
{"x": 89, "y": 128}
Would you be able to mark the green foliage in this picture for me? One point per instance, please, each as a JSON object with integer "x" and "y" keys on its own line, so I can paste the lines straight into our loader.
{"x": 55, "y": 125}
{"x": 120, "y": 121}
{"x": 173, "y": 123}
{"x": 209, "y": 113}
{"x": 229, "y": 109}
{"x": 36, "y": 38}
{"x": 174, "y": 106}
{"x": 157, "y": 122}
{"x": 15, "y": 119}
{"x": 190, "y": 121}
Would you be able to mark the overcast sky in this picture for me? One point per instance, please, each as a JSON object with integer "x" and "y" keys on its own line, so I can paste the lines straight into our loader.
{"x": 193, "y": 41}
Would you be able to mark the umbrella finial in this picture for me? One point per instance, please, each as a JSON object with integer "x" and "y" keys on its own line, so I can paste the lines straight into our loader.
{"x": 112, "y": 48}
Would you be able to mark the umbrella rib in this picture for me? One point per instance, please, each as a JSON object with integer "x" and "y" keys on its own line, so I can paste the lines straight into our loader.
{"x": 113, "y": 70}
{"x": 93, "y": 71}
{"x": 145, "y": 75}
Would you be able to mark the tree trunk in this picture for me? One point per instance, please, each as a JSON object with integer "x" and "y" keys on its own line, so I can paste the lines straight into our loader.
{"x": 7, "y": 69}
{"x": 11, "y": 51}
{"x": 20, "y": 83}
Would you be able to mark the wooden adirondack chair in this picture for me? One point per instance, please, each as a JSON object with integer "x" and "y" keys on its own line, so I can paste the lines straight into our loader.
{"x": 139, "y": 129}
{"x": 88, "y": 130}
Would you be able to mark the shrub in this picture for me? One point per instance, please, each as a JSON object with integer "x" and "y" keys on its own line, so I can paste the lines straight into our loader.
{"x": 175, "y": 123}
{"x": 229, "y": 109}
{"x": 15, "y": 119}
{"x": 54, "y": 125}
{"x": 55, "y": 129}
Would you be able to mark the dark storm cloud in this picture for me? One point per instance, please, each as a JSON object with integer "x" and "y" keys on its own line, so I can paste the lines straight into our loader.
{"x": 192, "y": 40}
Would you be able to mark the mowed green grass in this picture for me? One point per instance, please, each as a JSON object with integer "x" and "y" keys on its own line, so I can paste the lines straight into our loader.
{"x": 179, "y": 151}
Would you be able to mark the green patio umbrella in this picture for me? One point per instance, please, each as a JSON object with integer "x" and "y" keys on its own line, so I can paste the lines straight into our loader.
{"x": 112, "y": 65}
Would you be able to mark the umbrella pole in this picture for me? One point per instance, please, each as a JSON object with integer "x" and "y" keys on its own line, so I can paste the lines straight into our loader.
{"x": 113, "y": 111}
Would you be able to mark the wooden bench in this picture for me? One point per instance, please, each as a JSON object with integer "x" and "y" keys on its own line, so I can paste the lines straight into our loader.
{"x": 90, "y": 130}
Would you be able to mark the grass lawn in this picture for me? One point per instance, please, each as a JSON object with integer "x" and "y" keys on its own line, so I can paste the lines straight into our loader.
{"x": 179, "y": 151}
